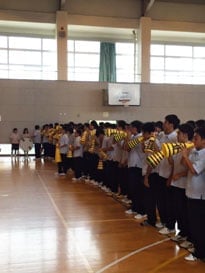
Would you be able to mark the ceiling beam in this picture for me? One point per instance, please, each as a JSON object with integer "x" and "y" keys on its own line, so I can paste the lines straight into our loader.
{"x": 146, "y": 6}
{"x": 61, "y": 4}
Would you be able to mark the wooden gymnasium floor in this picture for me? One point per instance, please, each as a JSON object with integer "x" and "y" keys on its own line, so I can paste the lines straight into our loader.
{"x": 50, "y": 225}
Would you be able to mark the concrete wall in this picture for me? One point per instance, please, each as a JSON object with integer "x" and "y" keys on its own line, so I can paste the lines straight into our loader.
{"x": 24, "y": 103}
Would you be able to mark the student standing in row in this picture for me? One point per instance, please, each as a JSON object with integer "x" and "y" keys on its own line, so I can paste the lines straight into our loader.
{"x": 37, "y": 142}
{"x": 63, "y": 146}
{"x": 15, "y": 139}
{"x": 195, "y": 191}
{"x": 178, "y": 205}
{"x": 164, "y": 192}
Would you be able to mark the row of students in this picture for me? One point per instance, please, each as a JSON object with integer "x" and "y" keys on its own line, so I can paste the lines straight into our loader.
{"x": 166, "y": 187}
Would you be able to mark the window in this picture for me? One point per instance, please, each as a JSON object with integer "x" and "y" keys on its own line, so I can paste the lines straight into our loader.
{"x": 125, "y": 62}
{"x": 28, "y": 58}
{"x": 84, "y": 60}
{"x": 177, "y": 64}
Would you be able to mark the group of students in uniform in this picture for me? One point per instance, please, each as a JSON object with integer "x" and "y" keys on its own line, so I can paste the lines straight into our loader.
{"x": 158, "y": 168}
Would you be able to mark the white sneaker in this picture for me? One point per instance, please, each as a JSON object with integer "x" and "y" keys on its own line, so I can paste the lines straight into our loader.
{"x": 61, "y": 174}
{"x": 126, "y": 201}
{"x": 140, "y": 216}
{"x": 129, "y": 211}
{"x": 186, "y": 244}
{"x": 166, "y": 231}
{"x": 159, "y": 225}
{"x": 74, "y": 179}
{"x": 191, "y": 249}
{"x": 178, "y": 238}
{"x": 190, "y": 258}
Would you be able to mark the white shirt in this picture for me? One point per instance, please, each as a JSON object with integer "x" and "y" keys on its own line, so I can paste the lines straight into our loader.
{"x": 78, "y": 152}
{"x": 178, "y": 168}
{"x": 196, "y": 182}
{"x": 136, "y": 155}
{"x": 64, "y": 141}
{"x": 164, "y": 166}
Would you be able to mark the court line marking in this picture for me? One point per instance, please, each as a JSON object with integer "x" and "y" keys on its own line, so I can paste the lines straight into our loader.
{"x": 131, "y": 254}
{"x": 87, "y": 265}
{"x": 62, "y": 219}
{"x": 167, "y": 262}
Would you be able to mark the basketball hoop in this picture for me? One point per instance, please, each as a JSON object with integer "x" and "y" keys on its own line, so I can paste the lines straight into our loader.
{"x": 125, "y": 102}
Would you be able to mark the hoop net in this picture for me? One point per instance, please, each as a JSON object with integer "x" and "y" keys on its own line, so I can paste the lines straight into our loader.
{"x": 125, "y": 102}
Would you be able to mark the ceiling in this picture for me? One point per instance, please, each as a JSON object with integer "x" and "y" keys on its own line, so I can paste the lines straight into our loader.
{"x": 201, "y": 2}
{"x": 107, "y": 33}
{"x": 101, "y": 33}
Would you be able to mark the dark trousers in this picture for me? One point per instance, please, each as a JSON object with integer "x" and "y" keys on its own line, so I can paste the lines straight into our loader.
{"x": 123, "y": 180}
{"x": 114, "y": 183}
{"x": 101, "y": 171}
{"x": 85, "y": 163}
{"x": 181, "y": 209}
{"x": 77, "y": 166}
{"x": 37, "y": 148}
{"x": 108, "y": 172}
{"x": 136, "y": 189}
{"x": 170, "y": 207}
{"x": 196, "y": 216}
{"x": 70, "y": 163}
{"x": 162, "y": 198}
{"x": 62, "y": 166}
{"x": 92, "y": 160}
{"x": 51, "y": 150}
{"x": 46, "y": 149}
{"x": 151, "y": 199}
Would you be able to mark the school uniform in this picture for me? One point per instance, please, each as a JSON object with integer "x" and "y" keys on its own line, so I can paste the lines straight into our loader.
{"x": 195, "y": 192}
{"x": 63, "y": 146}
{"x": 123, "y": 173}
{"x": 37, "y": 143}
{"x": 109, "y": 166}
{"x": 117, "y": 155}
{"x": 77, "y": 157}
{"x": 178, "y": 203}
{"x": 135, "y": 182}
{"x": 151, "y": 192}
{"x": 164, "y": 171}
{"x": 15, "y": 139}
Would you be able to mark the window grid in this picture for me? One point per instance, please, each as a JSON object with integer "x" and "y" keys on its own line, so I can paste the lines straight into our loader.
{"x": 23, "y": 62}
{"x": 80, "y": 69}
{"x": 185, "y": 68}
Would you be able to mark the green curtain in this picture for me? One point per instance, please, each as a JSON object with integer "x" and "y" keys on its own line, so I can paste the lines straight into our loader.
{"x": 107, "y": 71}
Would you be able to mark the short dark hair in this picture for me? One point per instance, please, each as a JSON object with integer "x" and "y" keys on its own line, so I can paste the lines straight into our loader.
{"x": 200, "y": 131}
{"x": 94, "y": 124}
{"x": 200, "y": 123}
{"x": 79, "y": 131}
{"x": 173, "y": 119}
{"x": 191, "y": 123}
{"x": 100, "y": 131}
{"x": 187, "y": 129}
{"x": 148, "y": 127}
{"x": 136, "y": 124}
{"x": 121, "y": 123}
{"x": 159, "y": 124}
